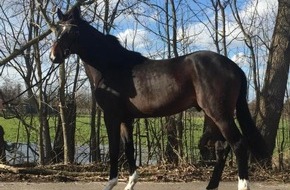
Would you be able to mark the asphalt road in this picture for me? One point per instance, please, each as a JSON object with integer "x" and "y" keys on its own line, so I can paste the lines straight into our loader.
{"x": 139, "y": 186}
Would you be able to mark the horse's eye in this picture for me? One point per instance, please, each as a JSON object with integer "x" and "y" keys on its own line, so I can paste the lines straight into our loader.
{"x": 58, "y": 29}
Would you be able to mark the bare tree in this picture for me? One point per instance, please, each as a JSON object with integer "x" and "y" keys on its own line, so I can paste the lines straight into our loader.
{"x": 174, "y": 149}
{"x": 24, "y": 47}
{"x": 249, "y": 39}
{"x": 31, "y": 57}
{"x": 275, "y": 82}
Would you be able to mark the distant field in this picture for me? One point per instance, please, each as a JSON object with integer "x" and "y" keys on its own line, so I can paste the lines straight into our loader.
{"x": 15, "y": 131}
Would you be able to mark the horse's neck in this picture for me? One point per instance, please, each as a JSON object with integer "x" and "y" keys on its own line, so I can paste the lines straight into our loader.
{"x": 94, "y": 75}
{"x": 104, "y": 51}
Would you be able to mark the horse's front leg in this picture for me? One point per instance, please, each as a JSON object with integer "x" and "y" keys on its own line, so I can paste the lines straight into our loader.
{"x": 113, "y": 130}
{"x": 127, "y": 136}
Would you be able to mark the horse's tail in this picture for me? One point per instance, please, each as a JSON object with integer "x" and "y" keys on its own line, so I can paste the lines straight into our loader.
{"x": 255, "y": 140}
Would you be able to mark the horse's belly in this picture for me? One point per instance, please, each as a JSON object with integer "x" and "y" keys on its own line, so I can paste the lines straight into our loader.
{"x": 161, "y": 104}
{"x": 161, "y": 92}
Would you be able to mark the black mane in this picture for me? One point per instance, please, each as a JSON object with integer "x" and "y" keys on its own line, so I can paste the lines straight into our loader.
{"x": 128, "y": 56}
{"x": 107, "y": 50}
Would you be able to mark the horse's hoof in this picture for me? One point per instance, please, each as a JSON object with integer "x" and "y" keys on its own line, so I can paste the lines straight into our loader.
{"x": 243, "y": 184}
{"x": 211, "y": 187}
{"x": 132, "y": 181}
{"x": 111, "y": 183}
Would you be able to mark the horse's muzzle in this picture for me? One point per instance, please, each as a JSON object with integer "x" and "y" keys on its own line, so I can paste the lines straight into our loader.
{"x": 55, "y": 56}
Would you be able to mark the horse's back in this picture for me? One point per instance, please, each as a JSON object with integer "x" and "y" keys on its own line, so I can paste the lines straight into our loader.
{"x": 213, "y": 63}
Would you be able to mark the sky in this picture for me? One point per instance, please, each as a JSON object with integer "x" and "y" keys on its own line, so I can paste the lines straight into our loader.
{"x": 194, "y": 30}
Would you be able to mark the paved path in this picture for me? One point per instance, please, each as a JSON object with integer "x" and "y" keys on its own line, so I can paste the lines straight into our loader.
{"x": 139, "y": 186}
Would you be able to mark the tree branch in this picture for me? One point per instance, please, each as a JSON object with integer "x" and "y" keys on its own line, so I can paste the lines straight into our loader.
{"x": 20, "y": 51}
{"x": 17, "y": 52}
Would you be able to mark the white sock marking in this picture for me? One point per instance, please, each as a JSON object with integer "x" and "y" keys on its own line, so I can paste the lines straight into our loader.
{"x": 132, "y": 181}
{"x": 243, "y": 184}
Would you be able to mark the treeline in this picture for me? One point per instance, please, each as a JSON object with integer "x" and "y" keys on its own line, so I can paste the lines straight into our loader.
{"x": 237, "y": 29}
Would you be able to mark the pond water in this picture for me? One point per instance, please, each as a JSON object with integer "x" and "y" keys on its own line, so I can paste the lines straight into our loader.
{"x": 19, "y": 153}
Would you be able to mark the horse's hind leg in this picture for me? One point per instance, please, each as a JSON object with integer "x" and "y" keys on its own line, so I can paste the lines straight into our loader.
{"x": 222, "y": 149}
{"x": 222, "y": 152}
{"x": 225, "y": 122}
{"x": 127, "y": 137}
{"x": 239, "y": 146}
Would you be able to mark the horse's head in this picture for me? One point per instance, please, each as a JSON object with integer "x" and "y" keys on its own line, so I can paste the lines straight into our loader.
{"x": 67, "y": 35}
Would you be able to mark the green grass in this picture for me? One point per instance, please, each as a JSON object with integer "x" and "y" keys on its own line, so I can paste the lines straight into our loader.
{"x": 16, "y": 132}
{"x": 193, "y": 127}
{"x": 83, "y": 130}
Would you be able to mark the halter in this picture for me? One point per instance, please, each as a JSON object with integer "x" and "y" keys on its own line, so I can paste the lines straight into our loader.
{"x": 67, "y": 51}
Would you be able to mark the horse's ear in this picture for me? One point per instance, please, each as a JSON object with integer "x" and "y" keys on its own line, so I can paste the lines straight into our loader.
{"x": 76, "y": 12}
{"x": 59, "y": 14}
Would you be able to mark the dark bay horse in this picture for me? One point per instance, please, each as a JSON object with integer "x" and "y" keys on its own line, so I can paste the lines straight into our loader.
{"x": 129, "y": 85}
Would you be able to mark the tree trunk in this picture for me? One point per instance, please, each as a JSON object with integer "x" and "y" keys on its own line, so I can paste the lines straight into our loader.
{"x": 93, "y": 136}
{"x": 62, "y": 111}
{"x": 94, "y": 78}
{"x": 68, "y": 118}
{"x": 272, "y": 96}
{"x": 171, "y": 152}
{"x": 2, "y": 146}
{"x": 41, "y": 116}
{"x": 98, "y": 151}
{"x": 71, "y": 128}
{"x": 57, "y": 153}
{"x": 69, "y": 114}
{"x": 46, "y": 131}
{"x": 180, "y": 129}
